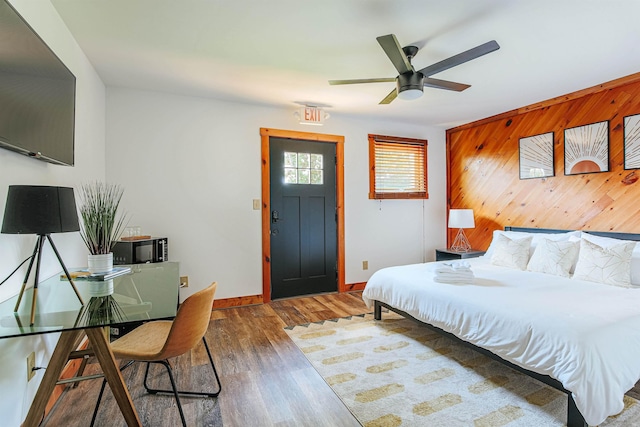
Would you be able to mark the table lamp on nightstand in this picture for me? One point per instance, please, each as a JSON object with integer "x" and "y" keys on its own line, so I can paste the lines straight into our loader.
{"x": 461, "y": 219}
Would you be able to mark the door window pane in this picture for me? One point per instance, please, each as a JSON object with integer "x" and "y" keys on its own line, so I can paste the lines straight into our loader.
{"x": 303, "y": 168}
{"x": 290, "y": 160}
{"x": 316, "y": 177}
{"x": 316, "y": 161}
{"x": 290, "y": 176}
{"x": 303, "y": 160}
{"x": 304, "y": 176}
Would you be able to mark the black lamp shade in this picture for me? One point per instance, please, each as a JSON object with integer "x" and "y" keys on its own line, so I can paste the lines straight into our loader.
{"x": 38, "y": 209}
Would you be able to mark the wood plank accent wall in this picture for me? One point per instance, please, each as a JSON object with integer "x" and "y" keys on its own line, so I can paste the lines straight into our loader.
{"x": 483, "y": 167}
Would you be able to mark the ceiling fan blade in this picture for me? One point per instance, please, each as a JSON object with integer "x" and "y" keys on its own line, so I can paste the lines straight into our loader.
{"x": 392, "y": 95}
{"x": 444, "y": 84}
{"x": 395, "y": 53}
{"x": 350, "y": 82}
{"x": 460, "y": 58}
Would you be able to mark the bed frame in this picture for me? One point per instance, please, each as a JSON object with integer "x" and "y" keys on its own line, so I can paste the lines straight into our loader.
{"x": 574, "y": 417}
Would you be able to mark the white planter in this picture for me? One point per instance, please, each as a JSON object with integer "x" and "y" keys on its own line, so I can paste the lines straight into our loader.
{"x": 101, "y": 263}
{"x": 100, "y": 289}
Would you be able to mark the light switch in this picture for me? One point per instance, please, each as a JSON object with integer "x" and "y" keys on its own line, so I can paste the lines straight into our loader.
{"x": 256, "y": 204}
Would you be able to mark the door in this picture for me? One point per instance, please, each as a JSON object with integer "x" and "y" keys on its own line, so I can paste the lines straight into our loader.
{"x": 303, "y": 229}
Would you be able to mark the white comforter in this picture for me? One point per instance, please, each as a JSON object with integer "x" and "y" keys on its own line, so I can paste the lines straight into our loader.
{"x": 584, "y": 334}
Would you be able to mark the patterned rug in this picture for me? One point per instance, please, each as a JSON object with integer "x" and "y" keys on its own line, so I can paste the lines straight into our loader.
{"x": 396, "y": 372}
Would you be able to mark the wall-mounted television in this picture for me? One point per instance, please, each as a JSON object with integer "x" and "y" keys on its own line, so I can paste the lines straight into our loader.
{"x": 37, "y": 94}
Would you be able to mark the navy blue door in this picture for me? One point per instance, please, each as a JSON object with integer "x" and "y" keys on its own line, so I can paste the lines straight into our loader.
{"x": 303, "y": 217}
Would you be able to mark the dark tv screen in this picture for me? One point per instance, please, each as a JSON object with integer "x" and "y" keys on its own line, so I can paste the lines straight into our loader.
{"x": 37, "y": 94}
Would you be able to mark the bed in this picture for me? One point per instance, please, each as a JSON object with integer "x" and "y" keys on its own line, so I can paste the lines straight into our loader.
{"x": 567, "y": 324}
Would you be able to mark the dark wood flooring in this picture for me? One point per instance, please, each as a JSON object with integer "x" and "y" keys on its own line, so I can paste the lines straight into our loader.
{"x": 266, "y": 380}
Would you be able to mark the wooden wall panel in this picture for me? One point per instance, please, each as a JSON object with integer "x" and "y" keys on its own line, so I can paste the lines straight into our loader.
{"x": 483, "y": 167}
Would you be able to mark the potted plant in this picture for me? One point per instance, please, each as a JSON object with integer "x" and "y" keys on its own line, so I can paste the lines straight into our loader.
{"x": 101, "y": 224}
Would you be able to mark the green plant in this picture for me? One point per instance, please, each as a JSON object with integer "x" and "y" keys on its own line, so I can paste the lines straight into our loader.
{"x": 101, "y": 224}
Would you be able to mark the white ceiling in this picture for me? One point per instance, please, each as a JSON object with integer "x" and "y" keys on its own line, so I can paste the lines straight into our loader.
{"x": 282, "y": 52}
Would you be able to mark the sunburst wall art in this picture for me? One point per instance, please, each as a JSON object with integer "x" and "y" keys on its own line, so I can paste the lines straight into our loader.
{"x": 536, "y": 156}
{"x": 632, "y": 142}
{"x": 586, "y": 149}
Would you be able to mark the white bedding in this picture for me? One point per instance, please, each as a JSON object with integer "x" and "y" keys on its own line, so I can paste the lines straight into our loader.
{"x": 584, "y": 334}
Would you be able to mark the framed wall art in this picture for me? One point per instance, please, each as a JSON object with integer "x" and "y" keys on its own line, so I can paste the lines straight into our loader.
{"x": 632, "y": 142}
{"x": 586, "y": 149}
{"x": 536, "y": 156}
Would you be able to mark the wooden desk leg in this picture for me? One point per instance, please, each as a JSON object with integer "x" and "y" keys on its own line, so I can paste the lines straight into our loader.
{"x": 111, "y": 372}
{"x": 58, "y": 360}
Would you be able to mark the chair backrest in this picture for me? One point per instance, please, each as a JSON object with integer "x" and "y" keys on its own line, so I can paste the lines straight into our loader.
{"x": 190, "y": 324}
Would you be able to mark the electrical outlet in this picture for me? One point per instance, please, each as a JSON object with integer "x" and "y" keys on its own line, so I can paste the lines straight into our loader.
{"x": 31, "y": 364}
{"x": 184, "y": 281}
{"x": 365, "y": 265}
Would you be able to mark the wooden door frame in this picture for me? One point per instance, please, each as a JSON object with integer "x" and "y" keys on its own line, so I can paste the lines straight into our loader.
{"x": 265, "y": 134}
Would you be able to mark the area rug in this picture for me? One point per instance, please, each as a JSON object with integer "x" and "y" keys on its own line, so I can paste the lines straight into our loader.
{"x": 396, "y": 372}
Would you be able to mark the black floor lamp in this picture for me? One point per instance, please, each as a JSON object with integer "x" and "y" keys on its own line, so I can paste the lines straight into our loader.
{"x": 41, "y": 210}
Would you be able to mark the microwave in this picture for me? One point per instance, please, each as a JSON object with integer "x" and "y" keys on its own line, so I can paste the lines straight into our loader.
{"x": 154, "y": 249}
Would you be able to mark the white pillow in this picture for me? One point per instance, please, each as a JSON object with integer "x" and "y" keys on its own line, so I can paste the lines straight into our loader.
{"x": 512, "y": 253}
{"x": 554, "y": 257}
{"x": 609, "y": 265}
{"x": 536, "y": 238}
{"x": 635, "y": 255}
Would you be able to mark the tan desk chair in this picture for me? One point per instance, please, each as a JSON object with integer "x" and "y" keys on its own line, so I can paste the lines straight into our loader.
{"x": 157, "y": 341}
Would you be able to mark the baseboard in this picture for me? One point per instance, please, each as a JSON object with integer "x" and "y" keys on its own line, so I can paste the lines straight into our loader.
{"x": 358, "y": 286}
{"x": 237, "y": 301}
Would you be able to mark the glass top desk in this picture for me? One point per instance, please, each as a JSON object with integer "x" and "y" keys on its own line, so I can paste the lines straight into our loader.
{"x": 149, "y": 292}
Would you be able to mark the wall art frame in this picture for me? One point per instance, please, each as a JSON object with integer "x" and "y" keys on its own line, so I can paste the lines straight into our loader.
{"x": 586, "y": 149}
{"x": 632, "y": 141}
{"x": 536, "y": 155}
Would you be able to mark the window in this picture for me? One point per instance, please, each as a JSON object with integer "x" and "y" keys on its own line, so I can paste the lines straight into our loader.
{"x": 397, "y": 168}
{"x": 303, "y": 168}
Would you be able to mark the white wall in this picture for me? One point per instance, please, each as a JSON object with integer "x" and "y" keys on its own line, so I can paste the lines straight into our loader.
{"x": 191, "y": 167}
{"x": 15, "y": 393}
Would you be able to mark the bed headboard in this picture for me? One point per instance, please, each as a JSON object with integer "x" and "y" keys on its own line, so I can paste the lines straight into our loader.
{"x": 614, "y": 235}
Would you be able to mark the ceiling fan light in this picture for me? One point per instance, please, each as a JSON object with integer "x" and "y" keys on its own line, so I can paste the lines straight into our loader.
{"x": 409, "y": 94}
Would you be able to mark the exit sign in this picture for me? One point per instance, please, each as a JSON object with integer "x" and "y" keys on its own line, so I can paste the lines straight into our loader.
{"x": 312, "y": 116}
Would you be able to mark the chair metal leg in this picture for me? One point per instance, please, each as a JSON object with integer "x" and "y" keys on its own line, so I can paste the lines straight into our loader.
{"x": 175, "y": 389}
{"x": 104, "y": 384}
{"x": 95, "y": 410}
{"x": 189, "y": 393}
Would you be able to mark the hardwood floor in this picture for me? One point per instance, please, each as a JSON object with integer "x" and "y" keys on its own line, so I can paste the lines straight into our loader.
{"x": 266, "y": 381}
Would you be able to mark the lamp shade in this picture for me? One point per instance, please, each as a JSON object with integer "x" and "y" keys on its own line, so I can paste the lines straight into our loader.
{"x": 38, "y": 209}
{"x": 461, "y": 218}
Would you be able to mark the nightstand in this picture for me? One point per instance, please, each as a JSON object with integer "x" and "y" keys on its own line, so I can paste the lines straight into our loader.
{"x": 447, "y": 254}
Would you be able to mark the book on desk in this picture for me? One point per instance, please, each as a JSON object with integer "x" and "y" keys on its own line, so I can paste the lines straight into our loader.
{"x": 97, "y": 277}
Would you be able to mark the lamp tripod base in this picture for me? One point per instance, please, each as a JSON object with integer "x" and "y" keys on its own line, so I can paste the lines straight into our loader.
{"x": 37, "y": 256}
{"x": 461, "y": 243}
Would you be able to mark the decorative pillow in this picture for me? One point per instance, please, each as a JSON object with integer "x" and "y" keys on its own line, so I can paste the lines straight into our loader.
{"x": 610, "y": 265}
{"x": 512, "y": 253}
{"x": 554, "y": 257}
{"x": 536, "y": 238}
{"x": 635, "y": 255}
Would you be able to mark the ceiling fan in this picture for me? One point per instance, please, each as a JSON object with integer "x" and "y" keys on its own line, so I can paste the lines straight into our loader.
{"x": 409, "y": 82}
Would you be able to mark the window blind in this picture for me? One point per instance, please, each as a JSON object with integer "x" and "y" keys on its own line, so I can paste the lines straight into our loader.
{"x": 399, "y": 169}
